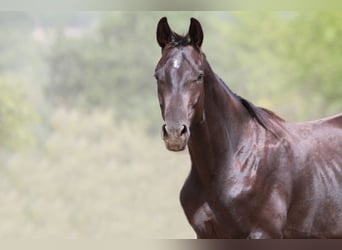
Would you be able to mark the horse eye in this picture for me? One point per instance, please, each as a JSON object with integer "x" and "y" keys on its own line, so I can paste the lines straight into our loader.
{"x": 199, "y": 78}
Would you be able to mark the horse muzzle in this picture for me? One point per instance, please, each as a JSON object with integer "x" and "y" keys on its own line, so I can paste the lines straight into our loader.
{"x": 175, "y": 136}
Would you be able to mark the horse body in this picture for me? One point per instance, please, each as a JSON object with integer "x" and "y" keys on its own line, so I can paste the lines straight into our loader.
{"x": 267, "y": 186}
{"x": 253, "y": 175}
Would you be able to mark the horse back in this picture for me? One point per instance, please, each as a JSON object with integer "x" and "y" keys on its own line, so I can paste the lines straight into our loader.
{"x": 335, "y": 121}
{"x": 316, "y": 207}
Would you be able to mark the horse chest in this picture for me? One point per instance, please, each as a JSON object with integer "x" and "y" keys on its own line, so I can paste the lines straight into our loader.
{"x": 206, "y": 222}
{"x": 213, "y": 215}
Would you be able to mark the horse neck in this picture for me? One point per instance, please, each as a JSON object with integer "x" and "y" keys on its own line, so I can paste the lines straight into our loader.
{"x": 217, "y": 137}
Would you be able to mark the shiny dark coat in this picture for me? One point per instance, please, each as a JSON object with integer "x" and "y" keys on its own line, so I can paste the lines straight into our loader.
{"x": 253, "y": 175}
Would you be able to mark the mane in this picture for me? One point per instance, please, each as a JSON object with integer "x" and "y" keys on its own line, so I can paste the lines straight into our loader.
{"x": 180, "y": 40}
{"x": 266, "y": 118}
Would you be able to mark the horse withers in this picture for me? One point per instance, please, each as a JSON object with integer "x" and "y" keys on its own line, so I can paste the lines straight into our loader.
{"x": 253, "y": 174}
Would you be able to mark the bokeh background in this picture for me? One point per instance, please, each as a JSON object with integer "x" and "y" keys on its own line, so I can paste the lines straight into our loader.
{"x": 80, "y": 151}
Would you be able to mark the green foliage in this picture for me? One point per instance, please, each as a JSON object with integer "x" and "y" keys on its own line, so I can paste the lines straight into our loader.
{"x": 316, "y": 49}
{"x": 286, "y": 61}
{"x": 261, "y": 55}
{"x": 16, "y": 115}
{"x": 110, "y": 67}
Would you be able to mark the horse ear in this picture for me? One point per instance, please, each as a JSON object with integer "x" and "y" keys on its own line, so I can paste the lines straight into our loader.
{"x": 164, "y": 32}
{"x": 195, "y": 33}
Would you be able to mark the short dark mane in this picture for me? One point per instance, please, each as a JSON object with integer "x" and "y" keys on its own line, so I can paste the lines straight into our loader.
{"x": 266, "y": 118}
{"x": 180, "y": 40}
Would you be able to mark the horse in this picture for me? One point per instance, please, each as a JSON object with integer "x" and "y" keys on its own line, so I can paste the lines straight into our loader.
{"x": 253, "y": 174}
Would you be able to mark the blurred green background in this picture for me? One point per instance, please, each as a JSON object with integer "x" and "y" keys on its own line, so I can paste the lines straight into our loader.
{"x": 80, "y": 151}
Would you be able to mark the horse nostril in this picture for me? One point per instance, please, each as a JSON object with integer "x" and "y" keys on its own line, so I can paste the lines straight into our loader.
{"x": 176, "y": 131}
{"x": 164, "y": 131}
{"x": 184, "y": 130}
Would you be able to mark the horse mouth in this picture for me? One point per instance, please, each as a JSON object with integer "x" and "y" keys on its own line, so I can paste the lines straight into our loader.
{"x": 176, "y": 145}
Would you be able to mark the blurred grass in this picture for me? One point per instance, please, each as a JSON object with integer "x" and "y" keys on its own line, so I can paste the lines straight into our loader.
{"x": 96, "y": 177}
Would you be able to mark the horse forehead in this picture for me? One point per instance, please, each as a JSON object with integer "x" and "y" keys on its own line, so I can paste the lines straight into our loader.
{"x": 182, "y": 57}
{"x": 176, "y": 60}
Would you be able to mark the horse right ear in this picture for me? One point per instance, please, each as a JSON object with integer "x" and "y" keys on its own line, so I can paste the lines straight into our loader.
{"x": 164, "y": 32}
{"x": 196, "y": 33}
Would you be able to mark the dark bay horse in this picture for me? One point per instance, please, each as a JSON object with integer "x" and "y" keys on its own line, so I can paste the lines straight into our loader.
{"x": 253, "y": 174}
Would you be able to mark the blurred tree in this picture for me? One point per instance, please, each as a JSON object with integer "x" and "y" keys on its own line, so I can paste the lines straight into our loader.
{"x": 260, "y": 55}
{"x": 112, "y": 66}
{"x": 258, "y": 62}
{"x": 286, "y": 61}
{"x": 314, "y": 55}
{"x": 20, "y": 63}
{"x": 16, "y": 115}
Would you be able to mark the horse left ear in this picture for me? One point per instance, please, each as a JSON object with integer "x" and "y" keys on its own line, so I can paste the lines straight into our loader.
{"x": 164, "y": 32}
{"x": 195, "y": 33}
